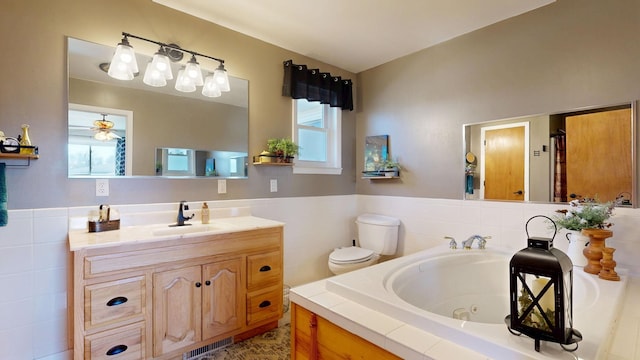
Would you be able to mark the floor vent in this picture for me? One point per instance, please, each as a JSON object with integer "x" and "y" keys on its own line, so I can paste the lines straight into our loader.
{"x": 207, "y": 349}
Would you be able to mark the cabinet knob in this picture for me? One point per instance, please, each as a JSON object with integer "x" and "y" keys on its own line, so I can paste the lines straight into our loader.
{"x": 264, "y": 304}
{"x": 207, "y": 282}
{"x": 118, "y": 349}
{"x": 265, "y": 268}
{"x": 198, "y": 284}
{"x": 119, "y": 300}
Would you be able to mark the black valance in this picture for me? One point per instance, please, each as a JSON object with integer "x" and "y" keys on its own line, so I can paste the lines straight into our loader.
{"x": 314, "y": 85}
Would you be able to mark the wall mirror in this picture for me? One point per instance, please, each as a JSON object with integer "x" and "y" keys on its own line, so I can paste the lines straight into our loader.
{"x": 555, "y": 157}
{"x": 119, "y": 128}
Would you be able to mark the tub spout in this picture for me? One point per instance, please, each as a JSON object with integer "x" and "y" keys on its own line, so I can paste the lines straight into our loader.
{"x": 452, "y": 243}
{"x": 482, "y": 241}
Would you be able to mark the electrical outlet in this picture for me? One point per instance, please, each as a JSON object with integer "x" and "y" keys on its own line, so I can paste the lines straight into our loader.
{"x": 222, "y": 186}
{"x": 102, "y": 187}
{"x": 273, "y": 183}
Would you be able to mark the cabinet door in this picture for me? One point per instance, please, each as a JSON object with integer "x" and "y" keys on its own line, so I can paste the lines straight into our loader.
{"x": 176, "y": 309}
{"x": 223, "y": 298}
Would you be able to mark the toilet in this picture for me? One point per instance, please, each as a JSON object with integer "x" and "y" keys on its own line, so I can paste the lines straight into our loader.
{"x": 377, "y": 235}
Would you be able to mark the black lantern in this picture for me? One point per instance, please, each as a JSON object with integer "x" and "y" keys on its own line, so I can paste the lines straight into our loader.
{"x": 541, "y": 293}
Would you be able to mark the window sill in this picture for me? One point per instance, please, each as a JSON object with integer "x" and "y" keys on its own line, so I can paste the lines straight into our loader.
{"x": 316, "y": 170}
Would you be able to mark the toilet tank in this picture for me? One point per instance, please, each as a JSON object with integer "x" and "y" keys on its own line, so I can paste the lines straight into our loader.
{"x": 378, "y": 233}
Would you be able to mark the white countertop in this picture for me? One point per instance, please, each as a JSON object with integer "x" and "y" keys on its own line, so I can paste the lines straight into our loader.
{"x": 82, "y": 239}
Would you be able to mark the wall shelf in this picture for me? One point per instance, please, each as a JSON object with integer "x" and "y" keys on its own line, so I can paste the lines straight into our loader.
{"x": 272, "y": 164}
{"x": 16, "y": 156}
{"x": 380, "y": 177}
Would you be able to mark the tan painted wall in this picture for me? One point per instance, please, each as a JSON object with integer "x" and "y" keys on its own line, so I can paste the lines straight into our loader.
{"x": 567, "y": 55}
{"x": 34, "y": 91}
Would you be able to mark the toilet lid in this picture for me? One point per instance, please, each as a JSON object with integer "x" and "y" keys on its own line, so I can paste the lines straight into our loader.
{"x": 351, "y": 254}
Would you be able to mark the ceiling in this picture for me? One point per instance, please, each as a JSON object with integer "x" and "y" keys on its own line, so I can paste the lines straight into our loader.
{"x": 354, "y": 35}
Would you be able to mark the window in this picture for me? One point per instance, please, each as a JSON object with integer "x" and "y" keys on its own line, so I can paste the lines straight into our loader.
{"x": 87, "y": 159}
{"x": 177, "y": 162}
{"x": 316, "y": 129}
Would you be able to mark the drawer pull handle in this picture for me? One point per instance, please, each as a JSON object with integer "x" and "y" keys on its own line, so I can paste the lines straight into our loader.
{"x": 198, "y": 284}
{"x": 265, "y": 268}
{"x": 118, "y": 349}
{"x": 117, "y": 301}
{"x": 264, "y": 304}
{"x": 207, "y": 282}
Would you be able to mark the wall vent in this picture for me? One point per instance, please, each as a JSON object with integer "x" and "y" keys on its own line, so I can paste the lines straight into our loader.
{"x": 207, "y": 349}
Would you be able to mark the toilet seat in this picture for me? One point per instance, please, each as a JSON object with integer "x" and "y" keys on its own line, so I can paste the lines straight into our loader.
{"x": 351, "y": 255}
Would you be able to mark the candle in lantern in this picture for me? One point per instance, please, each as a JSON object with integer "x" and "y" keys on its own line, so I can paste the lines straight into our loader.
{"x": 547, "y": 300}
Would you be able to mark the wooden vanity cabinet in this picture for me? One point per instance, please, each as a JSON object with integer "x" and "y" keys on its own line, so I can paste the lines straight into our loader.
{"x": 156, "y": 300}
{"x": 195, "y": 303}
{"x": 313, "y": 338}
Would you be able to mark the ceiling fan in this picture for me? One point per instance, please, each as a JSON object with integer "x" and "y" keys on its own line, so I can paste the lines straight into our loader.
{"x": 103, "y": 128}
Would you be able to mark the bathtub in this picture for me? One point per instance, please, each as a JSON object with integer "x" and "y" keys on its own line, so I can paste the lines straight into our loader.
{"x": 463, "y": 296}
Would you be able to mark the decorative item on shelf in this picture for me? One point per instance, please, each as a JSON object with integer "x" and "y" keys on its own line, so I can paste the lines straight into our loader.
{"x": 283, "y": 150}
{"x": 590, "y": 218}
{"x": 103, "y": 219}
{"x": 541, "y": 293}
{"x": 25, "y": 141}
{"x": 10, "y": 145}
{"x": 608, "y": 271}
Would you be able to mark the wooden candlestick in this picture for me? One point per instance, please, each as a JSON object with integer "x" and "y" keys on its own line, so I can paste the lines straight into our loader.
{"x": 608, "y": 271}
{"x": 593, "y": 252}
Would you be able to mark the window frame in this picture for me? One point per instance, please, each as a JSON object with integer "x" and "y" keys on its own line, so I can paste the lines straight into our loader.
{"x": 333, "y": 129}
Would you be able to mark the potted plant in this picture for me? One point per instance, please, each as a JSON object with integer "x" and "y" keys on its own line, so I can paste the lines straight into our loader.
{"x": 587, "y": 223}
{"x": 284, "y": 149}
{"x": 390, "y": 168}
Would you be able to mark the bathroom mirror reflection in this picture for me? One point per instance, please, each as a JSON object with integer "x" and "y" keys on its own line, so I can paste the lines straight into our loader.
{"x": 554, "y": 158}
{"x": 141, "y": 119}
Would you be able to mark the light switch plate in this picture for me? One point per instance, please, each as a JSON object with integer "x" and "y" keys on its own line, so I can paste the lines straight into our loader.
{"x": 222, "y": 186}
{"x": 102, "y": 187}
{"x": 273, "y": 184}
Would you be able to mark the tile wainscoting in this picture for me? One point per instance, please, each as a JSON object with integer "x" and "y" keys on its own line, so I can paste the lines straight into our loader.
{"x": 34, "y": 257}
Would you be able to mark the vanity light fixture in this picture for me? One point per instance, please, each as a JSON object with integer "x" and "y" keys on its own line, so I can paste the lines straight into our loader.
{"x": 124, "y": 67}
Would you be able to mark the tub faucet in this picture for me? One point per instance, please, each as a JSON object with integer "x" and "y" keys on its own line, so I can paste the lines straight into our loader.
{"x": 181, "y": 218}
{"x": 452, "y": 243}
{"x": 482, "y": 241}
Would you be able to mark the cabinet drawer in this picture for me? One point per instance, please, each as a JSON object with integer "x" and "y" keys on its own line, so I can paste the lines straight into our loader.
{"x": 264, "y": 305}
{"x": 126, "y": 343}
{"x": 114, "y": 301}
{"x": 264, "y": 269}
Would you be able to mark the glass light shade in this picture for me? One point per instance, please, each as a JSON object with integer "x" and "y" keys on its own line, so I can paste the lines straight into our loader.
{"x": 192, "y": 69}
{"x": 123, "y": 64}
{"x": 153, "y": 76}
{"x": 185, "y": 83}
{"x": 105, "y": 135}
{"x": 220, "y": 75}
{"x": 210, "y": 88}
{"x": 162, "y": 64}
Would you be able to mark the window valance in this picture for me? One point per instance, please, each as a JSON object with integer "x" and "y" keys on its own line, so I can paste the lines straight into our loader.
{"x": 314, "y": 85}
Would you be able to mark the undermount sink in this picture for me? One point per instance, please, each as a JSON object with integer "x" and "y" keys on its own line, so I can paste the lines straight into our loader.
{"x": 188, "y": 229}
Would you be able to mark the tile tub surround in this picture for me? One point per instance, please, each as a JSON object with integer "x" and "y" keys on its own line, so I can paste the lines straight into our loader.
{"x": 594, "y": 313}
{"x": 34, "y": 252}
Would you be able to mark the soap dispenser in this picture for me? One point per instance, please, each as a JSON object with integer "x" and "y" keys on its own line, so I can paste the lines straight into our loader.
{"x": 205, "y": 213}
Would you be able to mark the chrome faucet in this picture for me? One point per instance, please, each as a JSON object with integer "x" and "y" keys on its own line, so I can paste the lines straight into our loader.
{"x": 452, "y": 244}
{"x": 181, "y": 218}
{"x": 482, "y": 241}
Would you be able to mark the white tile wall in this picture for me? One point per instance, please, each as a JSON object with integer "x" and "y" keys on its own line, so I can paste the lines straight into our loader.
{"x": 34, "y": 257}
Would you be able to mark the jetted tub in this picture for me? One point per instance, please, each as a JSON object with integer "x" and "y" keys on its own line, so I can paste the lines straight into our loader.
{"x": 463, "y": 296}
